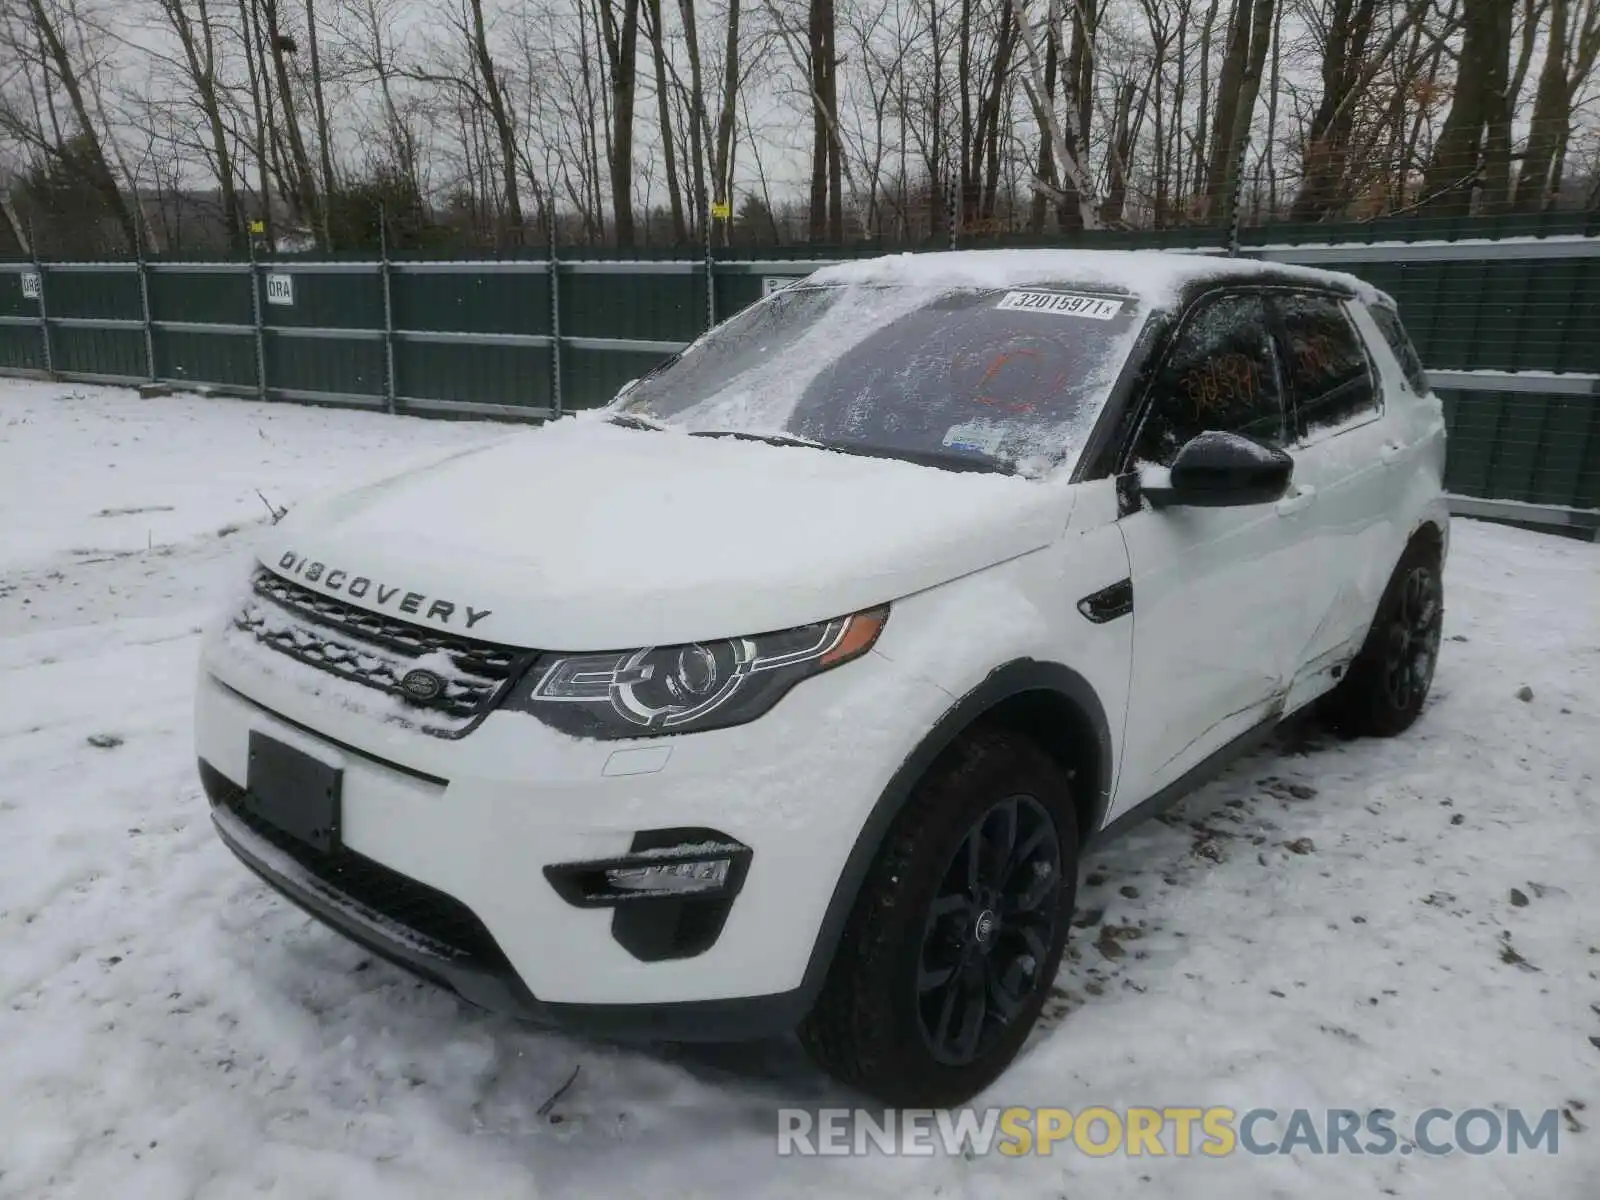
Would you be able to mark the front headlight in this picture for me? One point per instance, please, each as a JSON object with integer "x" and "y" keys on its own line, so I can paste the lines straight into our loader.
{"x": 691, "y": 688}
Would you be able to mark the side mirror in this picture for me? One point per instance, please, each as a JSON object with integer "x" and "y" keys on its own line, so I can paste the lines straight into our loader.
{"x": 1223, "y": 470}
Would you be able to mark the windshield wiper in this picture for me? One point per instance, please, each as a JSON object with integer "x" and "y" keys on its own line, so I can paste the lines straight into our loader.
{"x": 970, "y": 461}
{"x": 941, "y": 460}
{"x": 771, "y": 439}
{"x": 634, "y": 421}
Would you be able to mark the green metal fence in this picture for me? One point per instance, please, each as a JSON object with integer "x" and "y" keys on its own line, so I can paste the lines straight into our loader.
{"x": 1509, "y": 328}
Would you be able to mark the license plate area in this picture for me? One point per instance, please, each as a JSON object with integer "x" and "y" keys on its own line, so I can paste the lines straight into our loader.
{"x": 293, "y": 792}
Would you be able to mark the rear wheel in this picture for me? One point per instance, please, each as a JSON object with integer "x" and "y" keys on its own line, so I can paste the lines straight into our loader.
{"x": 1389, "y": 681}
{"x": 958, "y": 931}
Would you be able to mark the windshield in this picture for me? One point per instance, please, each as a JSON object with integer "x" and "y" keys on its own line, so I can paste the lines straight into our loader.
{"x": 975, "y": 378}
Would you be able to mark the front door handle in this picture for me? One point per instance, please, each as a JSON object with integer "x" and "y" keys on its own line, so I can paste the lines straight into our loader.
{"x": 1390, "y": 453}
{"x": 1302, "y": 498}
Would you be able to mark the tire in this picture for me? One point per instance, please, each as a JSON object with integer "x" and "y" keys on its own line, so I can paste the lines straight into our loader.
{"x": 927, "y": 935}
{"x": 1388, "y": 682}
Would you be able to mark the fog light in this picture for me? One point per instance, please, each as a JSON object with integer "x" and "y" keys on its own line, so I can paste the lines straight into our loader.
{"x": 663, "y": 869}
{"x": 677, "y": 879}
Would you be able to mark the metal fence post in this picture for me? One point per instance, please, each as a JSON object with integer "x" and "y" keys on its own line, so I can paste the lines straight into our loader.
{"x": 390, "y": 387}
{"x": 711, "y": 265}
{"x": 149, "y": 327}
{"x": 44, "y": 311}
{"x": 553, "y": 273}
{"x": 255, "y": 309}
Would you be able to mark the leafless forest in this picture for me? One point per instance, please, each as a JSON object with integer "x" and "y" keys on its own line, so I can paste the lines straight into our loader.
{"x": 195, "y": 126}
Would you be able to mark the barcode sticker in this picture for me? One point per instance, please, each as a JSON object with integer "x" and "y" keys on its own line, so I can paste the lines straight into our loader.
{"x": 1061, "y": 304}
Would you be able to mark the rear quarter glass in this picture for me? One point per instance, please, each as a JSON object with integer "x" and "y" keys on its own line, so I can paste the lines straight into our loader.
{"x": 1394, "y": 333}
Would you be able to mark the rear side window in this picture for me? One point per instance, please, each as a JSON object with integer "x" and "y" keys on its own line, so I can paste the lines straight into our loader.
{"x": 1329, "y": 376}
{"x": 1388, "y": 323}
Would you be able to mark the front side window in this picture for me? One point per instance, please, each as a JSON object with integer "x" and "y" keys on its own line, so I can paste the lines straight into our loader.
{"x": 1328, "y": 371}
{"x": 999, "y": 378}
{"x": 1220, "y": 375}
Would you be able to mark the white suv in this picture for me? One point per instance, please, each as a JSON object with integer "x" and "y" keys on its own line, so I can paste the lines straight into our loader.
{"x": 790, "y": 690}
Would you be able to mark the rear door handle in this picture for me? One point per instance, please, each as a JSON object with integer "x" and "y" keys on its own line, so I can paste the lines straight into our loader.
{"x": 1290, "y": 505}
{"x": 1390, "y": 453}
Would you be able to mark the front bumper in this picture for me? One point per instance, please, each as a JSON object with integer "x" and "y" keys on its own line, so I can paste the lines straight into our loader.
{"x": 475, "y": 822}
{"x": 485, "y": 979}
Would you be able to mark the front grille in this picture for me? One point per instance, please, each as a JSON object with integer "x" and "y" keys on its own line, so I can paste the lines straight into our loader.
{"x": 433, "y": 916}
{"x": 377, "y": 651}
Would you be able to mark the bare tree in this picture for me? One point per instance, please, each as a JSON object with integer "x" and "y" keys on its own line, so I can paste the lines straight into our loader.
{"x": 896, "y": 118}
{"x": 44, "y": 34}
{"x": 1349, "y": 69}
{"x": 829, "y": 168}
{"x": 1481, "y": 78}
{"x": 193, "y": 26}
{"x": 655, "y": 34}
{"x": 324, "y": 140}
{"x": 1571, "y": 48}
{"x": 1238, "y": 86}
{"x": 1124, "y": 130}
{"x": 697, "y": 115}
{"x": 371, "y": 53}
{"x": 1065, "y": 153}
{"x": 280, "y": 45}
{"x": 827, "y": 205}
{"x": 621, "y": 35}
{"x": 732, "y": 80}
{"x": 490, "y": 90}
{"x": 260, "y": 90}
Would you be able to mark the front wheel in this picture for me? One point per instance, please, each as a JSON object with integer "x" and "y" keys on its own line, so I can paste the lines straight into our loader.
{"x": 958, "y": 931}
{"x": 1389, "y": 680}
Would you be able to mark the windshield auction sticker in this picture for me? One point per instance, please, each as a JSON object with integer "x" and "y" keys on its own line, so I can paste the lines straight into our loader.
{"x": 974, "y": 436}
{"x": 1061, "y": 304}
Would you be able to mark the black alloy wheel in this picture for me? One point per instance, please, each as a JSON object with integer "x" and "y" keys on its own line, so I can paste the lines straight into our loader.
{"x": 1412, "y": 647}
{"x": 1388, "y": 683}
{"x": 958, "y": 929}
{"x": 989, "y": 931}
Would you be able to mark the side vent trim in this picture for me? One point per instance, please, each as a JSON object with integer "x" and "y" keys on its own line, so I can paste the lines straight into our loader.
{"x": 1108, "y": 603}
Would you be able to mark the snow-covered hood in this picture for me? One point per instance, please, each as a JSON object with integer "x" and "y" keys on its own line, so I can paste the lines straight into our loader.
{"x": 586, "y": 536}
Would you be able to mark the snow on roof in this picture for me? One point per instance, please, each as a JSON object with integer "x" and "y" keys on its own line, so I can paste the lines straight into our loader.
{"x": 1155, "y": 276}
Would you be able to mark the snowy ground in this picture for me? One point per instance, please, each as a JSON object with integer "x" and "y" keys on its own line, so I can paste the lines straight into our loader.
{"x": 168, "y": 1028}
